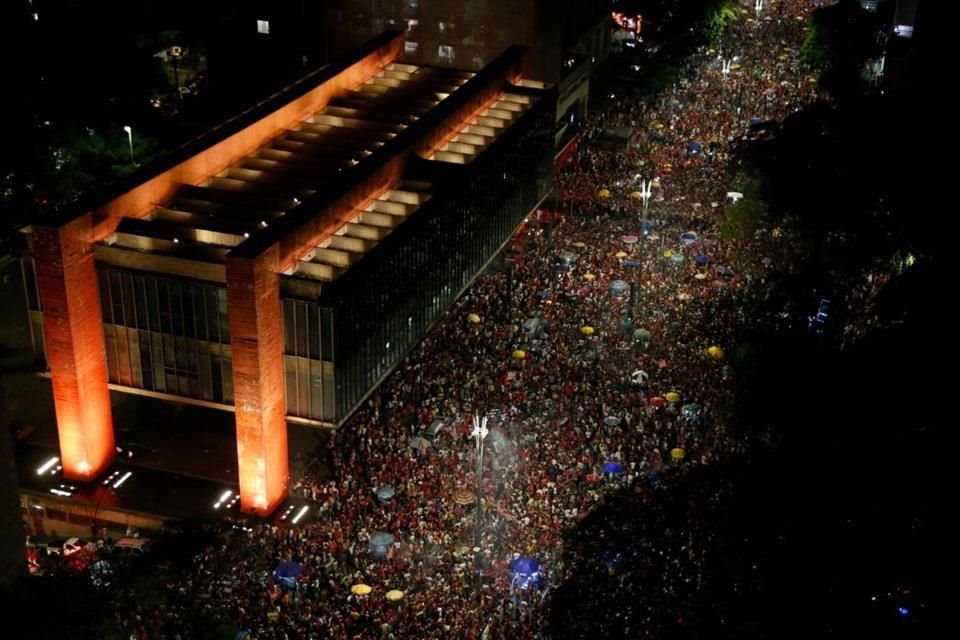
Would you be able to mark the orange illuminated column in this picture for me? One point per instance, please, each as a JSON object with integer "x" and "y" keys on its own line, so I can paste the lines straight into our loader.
{"x": 256, "y": 338}
{"x": 73, "y": 328}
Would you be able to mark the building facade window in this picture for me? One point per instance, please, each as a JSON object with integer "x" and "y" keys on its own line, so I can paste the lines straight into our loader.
{"x": 445, "y": 52}
{"x": 166, "y": 335}
{"x": 263, "y": 27}
{"x": 308, "y": 360}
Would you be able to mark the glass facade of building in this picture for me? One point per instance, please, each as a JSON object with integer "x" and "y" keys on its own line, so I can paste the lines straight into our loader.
{"x": 162, "y": 334}
{"x": 34, "y": 313}
{"x": 166, "y": 334}
{"x": 308, "y": 360}
{"x": 385, "y": 303}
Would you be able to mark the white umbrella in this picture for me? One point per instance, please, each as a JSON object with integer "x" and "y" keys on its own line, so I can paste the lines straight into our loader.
{"x": 419, "y": 443}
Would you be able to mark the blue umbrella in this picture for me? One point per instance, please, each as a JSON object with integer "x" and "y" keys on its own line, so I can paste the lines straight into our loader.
{"x": 676, "y": 257}
{"x": 286, "y": 574}
{"x": 647, "y": 225}
{"x": 694, "y": 147}
{"x": 288, "y": 569}
{"x": 654, "y": 479}
{"x": 688, "y": 237}
{"x": 632, "y": 263}
{"x": 524, "y": 565}
{"x": 701, "y": 259}
{"x": 380, "y": 544}
{"x": 618, "y": 287}
{"x": 612, "y": 467}
{"x": 381, "y": 539}
{"x": 754, "y": 121}
{"x": 385, "y": 492}
{"x": 543, "y": 293}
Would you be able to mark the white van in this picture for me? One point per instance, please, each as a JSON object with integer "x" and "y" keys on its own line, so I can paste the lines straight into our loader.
{"x": 131, "y": 546}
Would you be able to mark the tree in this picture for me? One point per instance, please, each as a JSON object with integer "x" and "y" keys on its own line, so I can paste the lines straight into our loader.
{"x": 840, "y": 40}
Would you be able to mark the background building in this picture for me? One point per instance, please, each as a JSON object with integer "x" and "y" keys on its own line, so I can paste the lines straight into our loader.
{"x": 282, "y": 264}
{"x": 566, "y": 38}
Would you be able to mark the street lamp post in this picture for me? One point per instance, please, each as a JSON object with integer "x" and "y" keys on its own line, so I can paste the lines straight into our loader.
{"x": 725, "y": 64}
{"x": 646, "y": 190}
{"x": 129, "y": 131}
{"x": 479, "y": 433}
{"x": 176, "y": 53}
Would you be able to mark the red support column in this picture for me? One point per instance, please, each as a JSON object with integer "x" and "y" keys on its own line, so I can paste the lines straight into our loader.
{"x": 256, "y": 338}
{"x": 76, "y": 355}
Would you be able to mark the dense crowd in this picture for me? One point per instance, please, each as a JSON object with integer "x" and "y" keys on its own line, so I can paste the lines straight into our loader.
{"x": 574, "y": 400}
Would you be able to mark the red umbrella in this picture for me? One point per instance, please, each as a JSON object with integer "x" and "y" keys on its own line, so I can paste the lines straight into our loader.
{"x": 658, "y": 402}
{"x": 592, "y": 477}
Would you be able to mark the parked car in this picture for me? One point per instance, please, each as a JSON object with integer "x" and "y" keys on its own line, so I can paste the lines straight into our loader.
{"x": 131, "y": 546}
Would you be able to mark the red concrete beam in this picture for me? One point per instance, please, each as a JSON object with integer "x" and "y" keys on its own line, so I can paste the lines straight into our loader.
{"x": 76, "y": 355}
{"x": 256, "y": 338}
{"x": 312, "y": 232}
{"x": 466, "y": 113}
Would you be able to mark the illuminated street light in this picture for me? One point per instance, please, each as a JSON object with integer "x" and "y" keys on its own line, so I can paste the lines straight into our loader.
{"x": 130, "y": 140}
{"x": 479, "y": 432}
{"x": 646, "y": 190}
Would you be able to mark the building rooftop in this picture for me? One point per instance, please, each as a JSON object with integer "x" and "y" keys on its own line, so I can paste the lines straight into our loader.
{"x": 312, "y": 164}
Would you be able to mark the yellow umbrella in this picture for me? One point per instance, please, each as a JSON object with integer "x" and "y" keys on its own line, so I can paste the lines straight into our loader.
{"x": 715, "y": 352}
{"x": 700, "y": 276}
{"x": 473, "y": 318}
{"x": 673, "y": 396}
{"x": 621, "y": 254}
{"x": 668, "y": 253}
{"x": 394, "y": 595}
{"x": 658, "y": 126}
{"x": 678, "y": 454}
{"x": 589, "y": 277}
{"x": 734, "y": 66}
{"x": 604, "y": 193}
{"x": 579, "y": 245}
{"x": 586, "y": 330}
{"x": 519, "y": 354}
{"x": 636, "y": 195}
{"x": 361, "y": 589}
